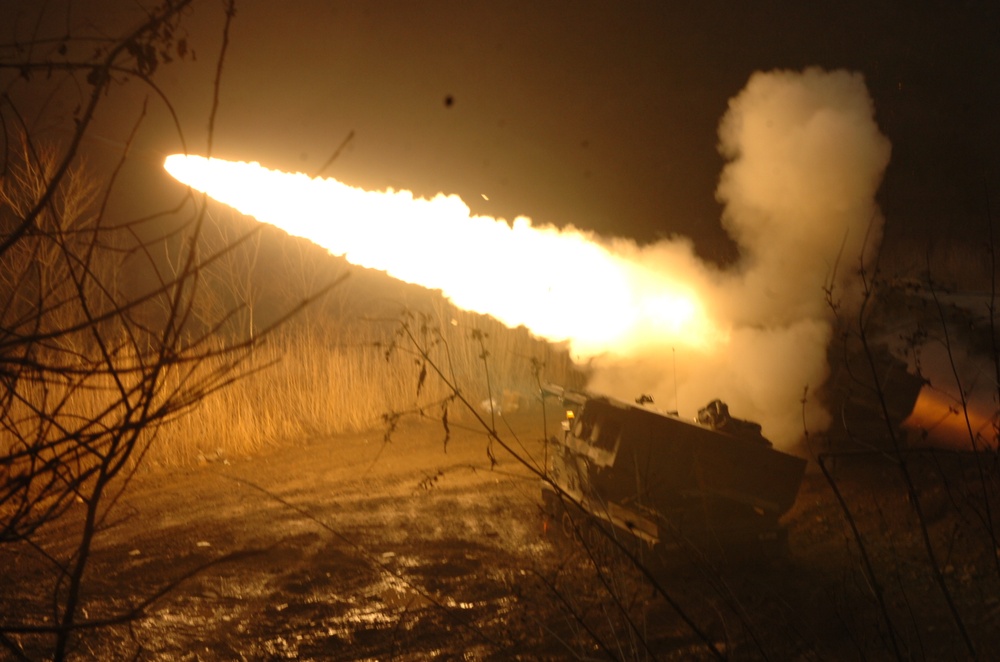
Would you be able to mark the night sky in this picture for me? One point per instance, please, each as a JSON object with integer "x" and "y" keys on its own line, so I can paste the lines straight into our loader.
{"x": 597, "y": 114}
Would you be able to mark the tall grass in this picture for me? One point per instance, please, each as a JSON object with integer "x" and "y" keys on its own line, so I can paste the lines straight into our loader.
{"x": 315, "y": 381}
{"x": 316, "y": 378}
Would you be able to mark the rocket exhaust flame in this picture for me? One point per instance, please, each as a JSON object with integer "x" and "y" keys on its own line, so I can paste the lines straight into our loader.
{"x": 943, "y": 422}
{"x": 804, "y": 160}
{"x": 560, "y": 284}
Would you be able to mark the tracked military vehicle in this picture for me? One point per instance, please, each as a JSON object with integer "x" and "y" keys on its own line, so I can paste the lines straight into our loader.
{"x": 667, "y": 482}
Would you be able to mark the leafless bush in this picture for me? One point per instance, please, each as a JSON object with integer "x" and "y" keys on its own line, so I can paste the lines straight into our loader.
{"x": 913, "y": 315}
{"x": 104, "y": 337}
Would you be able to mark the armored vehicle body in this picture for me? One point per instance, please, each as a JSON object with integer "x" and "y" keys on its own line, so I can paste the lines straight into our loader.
{"x": 667, "y": 481}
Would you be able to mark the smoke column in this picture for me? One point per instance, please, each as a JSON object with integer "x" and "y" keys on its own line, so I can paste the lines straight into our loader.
{"x": 804, "y": 160}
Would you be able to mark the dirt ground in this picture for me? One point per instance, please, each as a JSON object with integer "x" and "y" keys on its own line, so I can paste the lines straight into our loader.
{"x": 349, "y": 548}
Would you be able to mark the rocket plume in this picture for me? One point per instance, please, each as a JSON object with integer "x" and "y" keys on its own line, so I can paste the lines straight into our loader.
{"x": 805, "y": 159}
{"x": 543, "y": 278}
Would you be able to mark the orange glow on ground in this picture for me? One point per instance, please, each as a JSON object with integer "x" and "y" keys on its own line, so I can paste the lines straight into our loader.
{"x": 560, "y": 284}
{"x": 945, "y": 424}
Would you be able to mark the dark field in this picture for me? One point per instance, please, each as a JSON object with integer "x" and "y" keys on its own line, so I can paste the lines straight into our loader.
{"x": 349, "y": 548}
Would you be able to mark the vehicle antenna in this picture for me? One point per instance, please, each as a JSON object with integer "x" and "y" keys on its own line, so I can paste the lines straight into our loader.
{"x": 677, "y": 404}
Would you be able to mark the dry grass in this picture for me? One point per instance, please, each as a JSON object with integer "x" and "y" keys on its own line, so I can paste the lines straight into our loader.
{"x": 322, "y": 382}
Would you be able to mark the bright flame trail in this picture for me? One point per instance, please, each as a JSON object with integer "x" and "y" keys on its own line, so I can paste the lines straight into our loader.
{"x": 561, "y": 285}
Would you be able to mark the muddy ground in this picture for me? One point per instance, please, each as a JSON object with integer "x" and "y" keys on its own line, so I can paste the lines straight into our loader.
{"x": 349, "y": 548}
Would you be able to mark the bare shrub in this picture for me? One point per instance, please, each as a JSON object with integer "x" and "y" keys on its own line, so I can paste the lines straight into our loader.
{"x": 100, "y": 344}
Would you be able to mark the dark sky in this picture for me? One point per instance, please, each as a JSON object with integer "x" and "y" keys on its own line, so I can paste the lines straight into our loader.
{"x": 599, "y": 114}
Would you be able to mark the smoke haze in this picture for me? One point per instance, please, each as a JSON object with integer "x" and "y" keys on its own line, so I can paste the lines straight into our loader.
{"x": 805, "y": 159}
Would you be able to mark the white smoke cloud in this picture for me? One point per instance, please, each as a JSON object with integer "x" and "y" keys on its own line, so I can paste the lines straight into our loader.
{"x": 805, "y": 159}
